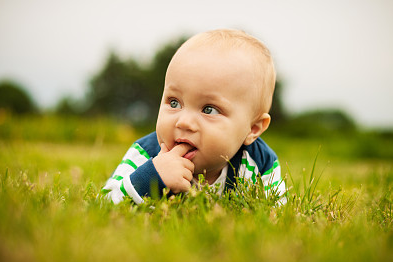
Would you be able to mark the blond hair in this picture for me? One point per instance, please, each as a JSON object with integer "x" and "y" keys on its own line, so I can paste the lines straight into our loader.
{"x": 264, "y": 69}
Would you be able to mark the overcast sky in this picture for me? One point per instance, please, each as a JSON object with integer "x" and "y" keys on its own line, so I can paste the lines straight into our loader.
{"x": 336, "y": 53}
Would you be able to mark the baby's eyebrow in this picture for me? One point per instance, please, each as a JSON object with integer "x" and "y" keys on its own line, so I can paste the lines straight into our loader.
{"x": 216, "y": 99}
{"x": 173, "y": 88}
{"x": 212, "y": 97}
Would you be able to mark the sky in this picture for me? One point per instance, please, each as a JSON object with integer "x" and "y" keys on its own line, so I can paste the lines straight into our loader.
{"x": 328, "y": 54}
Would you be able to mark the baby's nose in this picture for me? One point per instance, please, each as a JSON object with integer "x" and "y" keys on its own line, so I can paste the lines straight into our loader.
{"x": 187, "y": 121}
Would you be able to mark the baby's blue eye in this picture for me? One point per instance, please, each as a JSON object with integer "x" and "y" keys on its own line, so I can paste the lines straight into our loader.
{"x": 209, "y": 110}
{"x": 174, "y": 103}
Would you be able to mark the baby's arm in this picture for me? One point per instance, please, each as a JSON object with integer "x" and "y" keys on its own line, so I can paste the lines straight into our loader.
{"x": 136, "y": 172}
{"x": 134, "y": 162}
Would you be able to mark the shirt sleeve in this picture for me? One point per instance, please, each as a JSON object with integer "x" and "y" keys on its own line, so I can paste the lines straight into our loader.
{"x": 260, "y": 159}
{"x": 133, "y": 177}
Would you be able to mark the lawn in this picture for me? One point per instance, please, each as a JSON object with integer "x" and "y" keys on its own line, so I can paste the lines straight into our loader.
{"x": 52, "y": 170}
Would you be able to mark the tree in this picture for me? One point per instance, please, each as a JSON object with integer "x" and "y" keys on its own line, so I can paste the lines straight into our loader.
{"x": 126, "y": 89}
{"x": 114, "y": 88}
{"x": 14, "y": 98}
{"x": 68, "y": 106}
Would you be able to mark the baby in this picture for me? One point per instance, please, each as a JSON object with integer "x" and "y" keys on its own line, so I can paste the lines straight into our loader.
{"x": 217, "y": 95}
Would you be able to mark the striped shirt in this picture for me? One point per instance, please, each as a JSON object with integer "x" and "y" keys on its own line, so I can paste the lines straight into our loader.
{"x": 136, "y": 173}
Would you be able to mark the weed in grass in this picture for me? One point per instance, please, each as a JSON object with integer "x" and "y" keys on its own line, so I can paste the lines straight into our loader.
{"x": 382, "y": 211}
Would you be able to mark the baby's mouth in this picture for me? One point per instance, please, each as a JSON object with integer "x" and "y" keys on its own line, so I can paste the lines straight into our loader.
{"x": 190, "y": 153}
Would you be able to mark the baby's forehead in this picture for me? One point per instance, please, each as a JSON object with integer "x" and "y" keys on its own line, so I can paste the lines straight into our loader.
{"x": 225, "y": 45}
{"x": 223, "y": 48}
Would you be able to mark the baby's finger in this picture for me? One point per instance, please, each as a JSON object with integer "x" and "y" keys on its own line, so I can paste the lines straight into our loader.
{"x": 188, "y": 175}
{"x": 181, "y": 149}
{"x": 182, "y": 186}
{"x": 186, "y": 185}
{"x": 189, "y": 164}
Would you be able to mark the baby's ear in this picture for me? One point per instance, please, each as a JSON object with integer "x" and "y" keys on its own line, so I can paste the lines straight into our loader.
{"x": 258, "y": 127}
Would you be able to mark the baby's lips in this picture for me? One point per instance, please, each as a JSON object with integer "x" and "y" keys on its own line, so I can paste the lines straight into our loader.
{"x": 184, "y": 141}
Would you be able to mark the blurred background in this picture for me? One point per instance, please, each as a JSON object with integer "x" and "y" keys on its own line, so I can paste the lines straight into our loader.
{"x": 81, "y": 80}
{"x": 108, "y": 58}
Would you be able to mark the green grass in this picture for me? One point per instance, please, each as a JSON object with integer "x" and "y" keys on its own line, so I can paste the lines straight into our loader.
{"x": 339, "y": 208}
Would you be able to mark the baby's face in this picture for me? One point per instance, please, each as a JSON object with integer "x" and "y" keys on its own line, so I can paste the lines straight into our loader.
{"x": 207, "y": 103}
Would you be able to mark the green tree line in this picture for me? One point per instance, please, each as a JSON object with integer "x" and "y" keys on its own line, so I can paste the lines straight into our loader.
{"x": 130, "y": 90}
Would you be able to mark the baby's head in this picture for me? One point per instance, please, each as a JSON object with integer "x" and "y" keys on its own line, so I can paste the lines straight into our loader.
{"x": 218, "y": 91}
{"x": 235, "y": 41}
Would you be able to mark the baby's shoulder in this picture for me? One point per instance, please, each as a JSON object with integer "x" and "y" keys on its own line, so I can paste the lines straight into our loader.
{"x": 260, "y": 148}
{"x": 149, "y": 143}
{"x": 260, "y": 153}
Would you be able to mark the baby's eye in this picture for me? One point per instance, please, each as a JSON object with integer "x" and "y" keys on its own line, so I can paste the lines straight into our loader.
{"x": 174, "y": 103}
{"x": 209, "y": 110}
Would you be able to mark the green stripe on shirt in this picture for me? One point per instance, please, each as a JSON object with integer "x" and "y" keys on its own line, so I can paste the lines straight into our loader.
{"x": 118, "y": 178}
{"x": 268, "y": 172}
{"x": 140, "y": 150}
{"x": 271, "y": 185}
{"x": 129, "y": 162}
{"x": 105, "y": 191}
{"x": 123, "y": 189}
{"x": 250, "y": 168}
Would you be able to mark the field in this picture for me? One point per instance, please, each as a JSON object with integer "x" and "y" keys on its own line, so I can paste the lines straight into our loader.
{"x": 52, "y": 170}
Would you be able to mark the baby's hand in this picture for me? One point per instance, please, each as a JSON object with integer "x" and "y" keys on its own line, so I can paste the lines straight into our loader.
{"x": 175, "y": 170}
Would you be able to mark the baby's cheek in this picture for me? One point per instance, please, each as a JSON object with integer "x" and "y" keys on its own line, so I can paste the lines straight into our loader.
{"x": 158, "y": 136}
{"x": 219, "y": 152}
{"x": 160, "y": 130}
